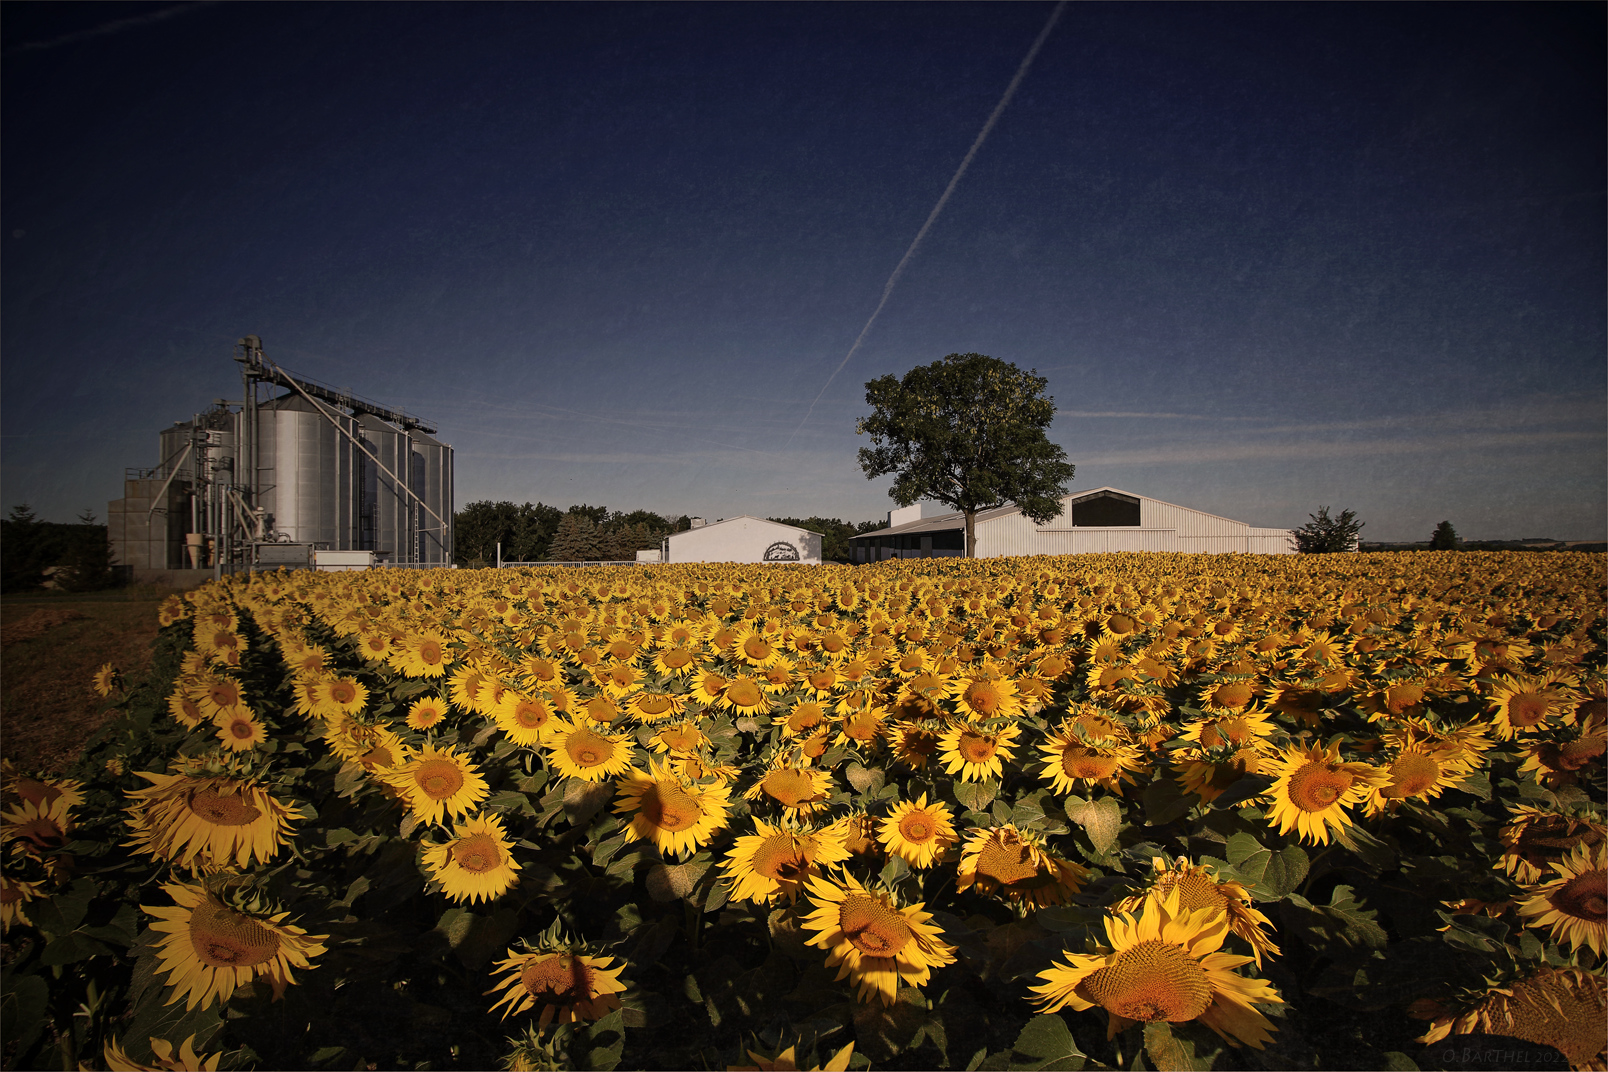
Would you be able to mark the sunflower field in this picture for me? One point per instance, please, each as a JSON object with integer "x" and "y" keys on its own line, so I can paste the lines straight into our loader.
{"x": 1124, "y": 811}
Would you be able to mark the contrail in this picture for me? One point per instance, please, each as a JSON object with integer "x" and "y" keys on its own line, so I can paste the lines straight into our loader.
{"x": 932, "y": 217}
{"x": 114, "y": 26}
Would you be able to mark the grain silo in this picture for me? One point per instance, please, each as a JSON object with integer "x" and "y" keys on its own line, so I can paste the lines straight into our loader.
{"x": 268, "y": 481}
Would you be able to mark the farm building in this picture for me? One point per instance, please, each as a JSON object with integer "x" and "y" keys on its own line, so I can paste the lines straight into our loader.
{"x": 742, "y": 539}
{"x": 1106, "y": 519}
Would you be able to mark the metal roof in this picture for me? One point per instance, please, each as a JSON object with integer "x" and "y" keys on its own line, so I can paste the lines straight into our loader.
{"x": 957, "y": 520}
{"x": 938, "y": 523}
{"x": 729, "y": 520}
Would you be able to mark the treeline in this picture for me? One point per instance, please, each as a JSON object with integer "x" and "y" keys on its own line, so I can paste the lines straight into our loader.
{"x": 77, "y": 557}
{"x": 542, "y": 533}
{"x": 834, "y": 533}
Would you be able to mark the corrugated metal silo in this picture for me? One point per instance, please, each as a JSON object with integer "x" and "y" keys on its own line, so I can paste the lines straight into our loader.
{"x": 432, "y": 481}
{"x": 308, "y": 473}
{"x": 385, "y": 512}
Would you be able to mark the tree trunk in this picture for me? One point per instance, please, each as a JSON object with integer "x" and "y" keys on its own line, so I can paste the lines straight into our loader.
{"x": 971, "y": 533}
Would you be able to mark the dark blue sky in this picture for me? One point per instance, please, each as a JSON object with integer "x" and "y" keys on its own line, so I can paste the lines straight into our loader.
{"x": 1268, "y": 256}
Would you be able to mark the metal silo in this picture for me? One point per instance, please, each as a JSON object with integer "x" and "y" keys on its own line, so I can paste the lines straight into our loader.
{"x": 432, "y": 482}
{"x": 308, "y": 473}
{"x": 385, "y": 514}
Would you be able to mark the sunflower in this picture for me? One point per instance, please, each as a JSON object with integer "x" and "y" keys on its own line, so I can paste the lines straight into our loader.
{"x": 777, "y": 861}
{"x": 801, "y": 792}
{"x": 219, "y": 696}
{"x": 1210, "y": 771}
{"x": 14, "y": 893}
{"x": 679, "y": 738}
{"x": 1199, "y": 888}
{"x": 210, "y": 947}
{"x": 1315, "y": 788}
{"x": 527, "y": 720}
{"x": 438, "y": 783}
{"x": 43, "y": 824}
{"x": 477, "y": 864}
{"x": 167, "y": 1060}
{"x": 374, "y": 644}
{"x": 184, "y": 708}
{"x": 108, "y": 679}
{"x": 241, "y": 732}
{"x": 744, "y": 694}
{"x": 1016, "y": 865}
{"x": 421, "y": 655}
{"x": 426, "y": 712}
{"x": 200, "y": 822}
{"x": 1070, "y": 760}
{"x": 675, "y": 661}
{"x": 568, "y": 986}
{"x": 872, "y": 941}
{"x": 710, "y": 686}
{"x": 1523, "y": 703}
{"x": 1236, "y": 728}
{"x": 1559, "y": 1008}
{"x": 1419, "y": 772}
{"x": 803, "y": 719}
{"x": 1535, "y": 839}
{"x": 655, "y": 705}
{"x": 914, "y": 743}
{"x": 1575, "y": 904}
{"x": 586, "y": 752}
{"x": 1164, "y": 965}
{"x": 985, "y": 694}
{"x": 918, "y": 832}
{"x": 755, "y": 649}
{"x": 1229, "y": 696}
{"x": 1557, "y": 761}
{"x": 975, "y": 754}
{"x": 678, "y": 815}
{"x": 787, "y": 1061}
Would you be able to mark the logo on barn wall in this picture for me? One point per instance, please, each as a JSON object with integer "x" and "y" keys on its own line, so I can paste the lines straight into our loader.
{"x": 781, "y": 551}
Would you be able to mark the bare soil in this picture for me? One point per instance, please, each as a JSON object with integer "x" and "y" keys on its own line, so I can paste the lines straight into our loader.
{"x": 50, "y": 648}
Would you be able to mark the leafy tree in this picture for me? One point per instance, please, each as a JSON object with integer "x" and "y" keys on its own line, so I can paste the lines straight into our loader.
{"x": 1444, "y": 537}
{"x": 1326, "y": 535}
{"x": 967, "y": 431}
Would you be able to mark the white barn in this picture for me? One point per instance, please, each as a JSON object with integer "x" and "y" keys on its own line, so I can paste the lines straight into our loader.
{"x": 1091, "y": 522}
{"x": 742, "y": 539}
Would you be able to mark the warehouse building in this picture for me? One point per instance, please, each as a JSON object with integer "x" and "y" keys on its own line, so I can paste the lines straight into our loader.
{"x": 741, "y": 539}
{"x": 1104, "y": 520}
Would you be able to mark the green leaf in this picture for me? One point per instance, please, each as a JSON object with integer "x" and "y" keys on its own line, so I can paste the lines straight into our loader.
{"x": 606, "y": 851}
{"x": 70, "y": 948}
{"x": 1045, "y": 1043}
{"x": 1100, "y": 819}
{"x": 1396, "y": 1061}
{"x": 864, "y": 780}
{"x": 1165, "y": 801}
{"x": 1001, "y": 812}
{"x": 1477, "y": 785}
{"x": 23, "y": 1005}
{"x": 1252, "y": 785}
{"x": 669, "y": 882}
{"x": 1343, "y": 919}
{"x": 1170, "y": 1053}
{"x": 975, "y": 796}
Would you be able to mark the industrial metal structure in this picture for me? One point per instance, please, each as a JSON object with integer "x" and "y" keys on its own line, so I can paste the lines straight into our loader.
{"x": 1092, "y": 522}
{"x": 274, "y": 478}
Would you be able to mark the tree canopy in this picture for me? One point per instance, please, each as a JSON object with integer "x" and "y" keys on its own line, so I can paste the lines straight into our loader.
{"x": 1444, "y": 538}
{"x": 967, "y": 431}
{"x": 1327, "y": 535}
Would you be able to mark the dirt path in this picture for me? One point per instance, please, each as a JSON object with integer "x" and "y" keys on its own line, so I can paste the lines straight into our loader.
{"x": 50, "y": 648}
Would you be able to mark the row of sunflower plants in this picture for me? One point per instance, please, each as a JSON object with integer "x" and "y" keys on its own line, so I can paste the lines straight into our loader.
{"x": 1088, "y": 812}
